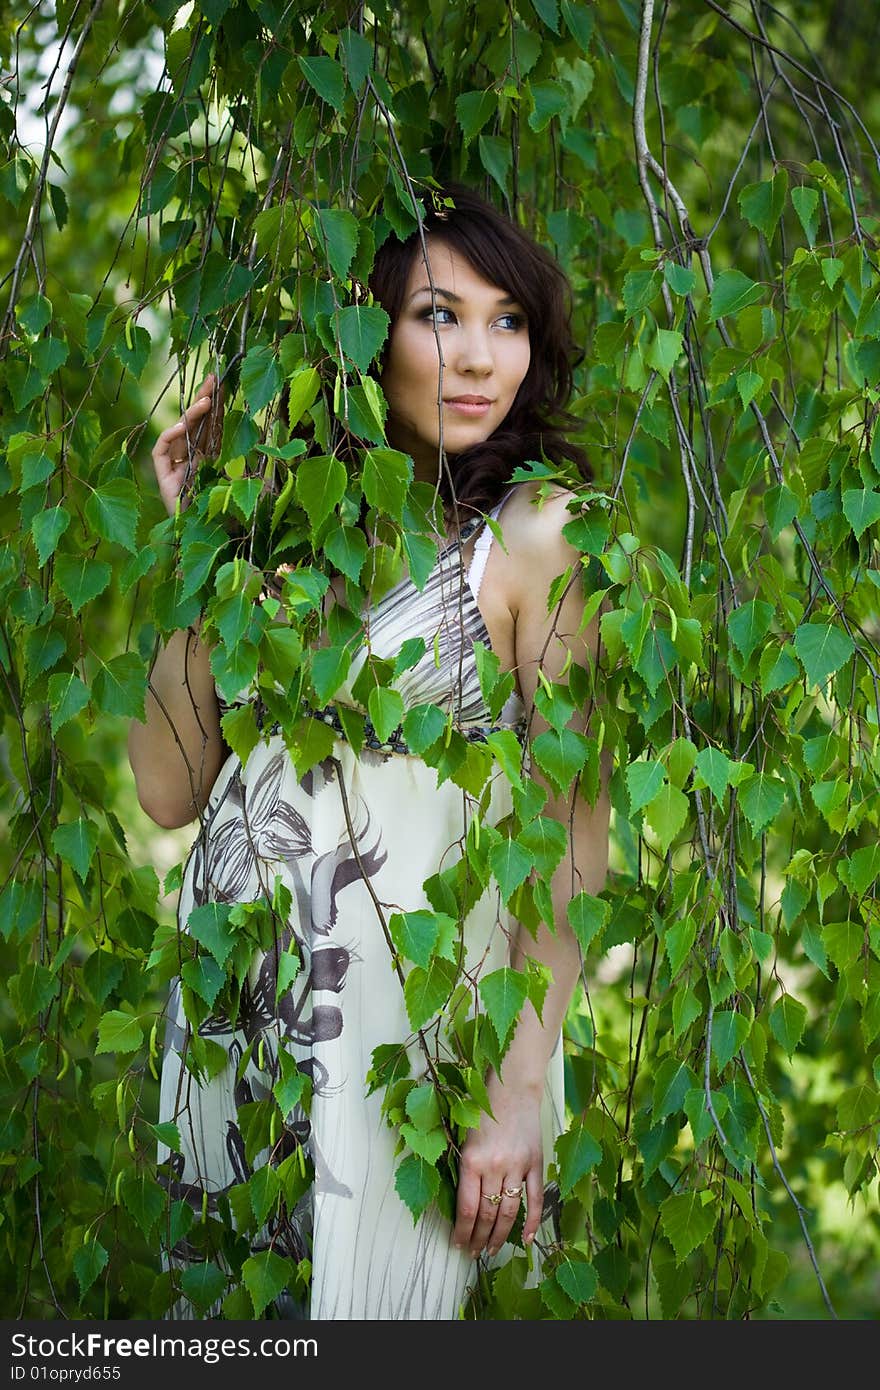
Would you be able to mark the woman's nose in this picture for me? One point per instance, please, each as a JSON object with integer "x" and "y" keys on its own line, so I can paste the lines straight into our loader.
{"x": 475, "y": 352}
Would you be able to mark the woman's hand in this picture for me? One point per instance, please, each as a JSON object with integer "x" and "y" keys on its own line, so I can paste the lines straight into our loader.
{"x": 503, "y": 1157}
{"x": 197, "y": 435}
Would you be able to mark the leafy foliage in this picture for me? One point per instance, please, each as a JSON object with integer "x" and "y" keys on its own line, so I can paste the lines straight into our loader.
{"x": 218, "y": 185}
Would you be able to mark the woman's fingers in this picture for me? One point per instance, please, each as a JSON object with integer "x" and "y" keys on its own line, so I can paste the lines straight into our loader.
{"x": 467, "y": 1207}
{"x": 487, "y": 1215}
{"x": 198, "y": 432}
{"x": 534, "y": 1204}
{"x": 511, "y": 1197}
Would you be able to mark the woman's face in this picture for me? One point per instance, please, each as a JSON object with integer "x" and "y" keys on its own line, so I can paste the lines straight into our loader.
{"x": 484, "y": 340}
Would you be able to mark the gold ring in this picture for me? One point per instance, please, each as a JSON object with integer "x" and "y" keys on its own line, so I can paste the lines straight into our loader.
{"x": 512, "y": 1191}
{"x": 493, "y": 1197}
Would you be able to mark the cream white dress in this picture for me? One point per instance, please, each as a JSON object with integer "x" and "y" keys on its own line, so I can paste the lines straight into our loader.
{"x": 369, "y": 1259}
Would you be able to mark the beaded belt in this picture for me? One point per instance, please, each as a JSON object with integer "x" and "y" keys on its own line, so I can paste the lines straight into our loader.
{"x": 395, "y": 743}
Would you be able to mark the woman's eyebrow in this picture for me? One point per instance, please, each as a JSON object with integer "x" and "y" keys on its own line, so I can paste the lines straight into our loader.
{"x": 455, "y": 298}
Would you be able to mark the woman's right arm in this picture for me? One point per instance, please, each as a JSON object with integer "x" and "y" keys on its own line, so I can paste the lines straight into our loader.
{"x": 178, "y": 750}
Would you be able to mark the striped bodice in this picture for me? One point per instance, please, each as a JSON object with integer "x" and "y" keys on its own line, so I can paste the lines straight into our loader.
{"x": 446, "y": 615}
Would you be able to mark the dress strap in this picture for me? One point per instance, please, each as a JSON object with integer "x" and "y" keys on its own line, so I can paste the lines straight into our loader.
{"x": 483, "y": 546}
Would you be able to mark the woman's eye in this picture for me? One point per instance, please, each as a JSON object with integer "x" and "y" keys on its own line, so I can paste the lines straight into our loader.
{"x": 435, "y": 313}
{"x": 514, "y": 321}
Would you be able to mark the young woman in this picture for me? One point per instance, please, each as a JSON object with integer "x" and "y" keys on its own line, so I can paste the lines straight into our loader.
{"x": 476, "y": 373}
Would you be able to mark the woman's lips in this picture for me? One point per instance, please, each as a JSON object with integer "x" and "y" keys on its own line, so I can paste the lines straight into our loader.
{"x": 473, "y": 408}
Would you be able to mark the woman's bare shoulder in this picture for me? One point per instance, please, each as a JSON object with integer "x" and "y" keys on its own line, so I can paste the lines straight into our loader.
{"x": 533, "y": 520}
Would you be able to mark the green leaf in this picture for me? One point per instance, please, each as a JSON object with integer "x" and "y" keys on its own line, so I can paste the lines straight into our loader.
{"x": 640, "y": 288}
{"x": 577, "y": 1153}
{"x": 325, "y": 75}
{"x": 320, "y": 486}
{"x": 687, "y": 1219}
{"x": 777, "y": 668}
{"x": 788, "y": 1019}
{"x": 681, "y": 279}
{"x": 386, "y": 478}
{"x": 281, "y": 651}
{"x": 67, "y": 696}
{"x": 861, "y": 869}
{"x": 503, "y": 993}
{"x": 731, "y": 292}
{"x": 81, "y": 578}
{"x": 806, "y": 205}
{"x": 291, "y": 1085}
{"x": 264, "y": 1188}
{"x": 496, "y": 158}
{"x": 665, "y": 351}
{"x": 678, "y": 941}
{"x": 643, "y": 782}
{"x": 363, "y": 329}
{"x": 588, "y": 533}
{"x": 119, "y": 1032}
{"x": 144, "y": 1199}
{"x": 861, "y": 507}
{"x": 761, "y": 797}
{"x": 168, "y": 1134}
{"x": 34, "y": 313}
{"x": 120, "y": 686}
{"x": 780, "y": 508}
{"x": 209, "y": 924}
{"x": 346, "y": 547}
{"x": 415, "y": 934}
{"x": 579, "y": 21}
{"x": 203, "y": 1284}
{"x": 385, "y": 708}
{"x": 204, "y": 977}
{"x": 417, "y": 1183}
{"x": 330, "y": 666}
{"x": 267, "y": 1274}
{"x": 587, "y": 917}
{"x": 749, "y": 624}
{"x": 577, "y": 1278}
{"x": 666, "y": 814}
{"x": 102, "y": 973}
{"x": 422, "y": 726}
{"x": 473, "y": 110}
{"x": 31, "y": 991}
{"x": 561, "y": 754}
{"x": 112, "y": 511}
{"x": 858, "y": 1107}
{"x": 511, "y": 865}
{"x": 239, "y": 729}
{"x": 423, "y": 1107}
{"x": 426, "y": 991}
{"x": 672, "y": 1082}
{"x": 546, "y": 840}
{"x": 762, "y": 203}
{"x": 550, "y": 99}
{"x": 340, "y": 233}
{"x": 714, "y": 768}
{"x": 357, "y": 56}
{"x": 88, "y": 1262}
{"x": 822, "y": 650}
{"x": 729, "y": 1032}
{"x": 548, "y": 12}
{"x": 76, "y": 842}
{"x": 428, "y": 1146}
{"x": 261, "y": 378}
{"x": 748, "y": 384}
{"x": 47, "y": 528}
{"x": 304, "y": 387}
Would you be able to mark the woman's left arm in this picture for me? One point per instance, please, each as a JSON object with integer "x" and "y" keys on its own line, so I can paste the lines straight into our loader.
{"x": 505, "y": 1153}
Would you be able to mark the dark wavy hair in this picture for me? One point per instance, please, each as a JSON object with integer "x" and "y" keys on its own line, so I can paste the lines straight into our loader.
{"x": 506, "y": 256}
